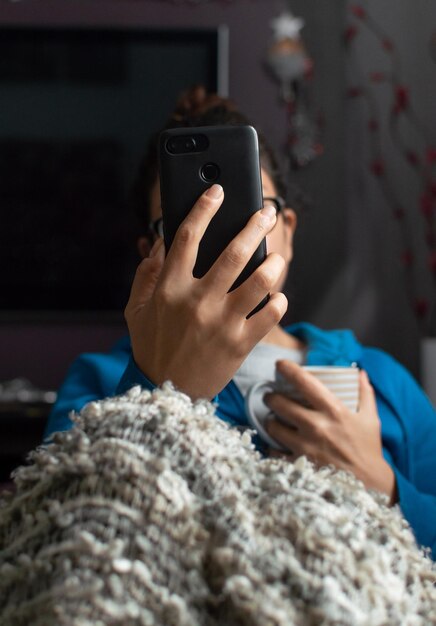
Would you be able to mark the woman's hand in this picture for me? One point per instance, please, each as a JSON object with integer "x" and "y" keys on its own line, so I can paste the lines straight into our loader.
{"x": 328, "y": 432}
{"x": 192, "y": 331}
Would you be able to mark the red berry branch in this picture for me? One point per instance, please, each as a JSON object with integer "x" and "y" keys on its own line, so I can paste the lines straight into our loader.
{"x": 422, "y": 162}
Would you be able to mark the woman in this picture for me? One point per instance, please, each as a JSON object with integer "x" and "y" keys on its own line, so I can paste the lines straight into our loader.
{"x": 195, "y": 333}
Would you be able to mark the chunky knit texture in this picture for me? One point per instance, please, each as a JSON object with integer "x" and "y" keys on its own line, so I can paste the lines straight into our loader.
{"x": 152, "y": 511}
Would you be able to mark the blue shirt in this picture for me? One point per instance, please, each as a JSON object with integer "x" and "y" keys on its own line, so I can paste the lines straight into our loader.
{"x": 408, "y": 419}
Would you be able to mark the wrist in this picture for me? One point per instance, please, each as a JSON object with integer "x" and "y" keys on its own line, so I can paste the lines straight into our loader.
{"x": 383, "y": 480}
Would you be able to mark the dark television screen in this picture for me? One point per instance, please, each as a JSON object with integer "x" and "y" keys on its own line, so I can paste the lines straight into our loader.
{"x": 77, "y": 108}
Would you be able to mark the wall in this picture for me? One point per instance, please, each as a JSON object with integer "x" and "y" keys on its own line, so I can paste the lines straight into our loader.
{"x": 379, "y": 304}
{"x": 42, "y": 350}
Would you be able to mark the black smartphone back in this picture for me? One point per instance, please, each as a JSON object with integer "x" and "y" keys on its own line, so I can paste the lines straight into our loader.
{"x": 193, "y": 159}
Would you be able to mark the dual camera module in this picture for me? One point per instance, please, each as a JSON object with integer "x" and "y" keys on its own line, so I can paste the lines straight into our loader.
{"x": 187, "y": 144}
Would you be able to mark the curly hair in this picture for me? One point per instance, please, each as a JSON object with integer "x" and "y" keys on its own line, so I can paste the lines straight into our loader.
{"x": 195, "y": 107}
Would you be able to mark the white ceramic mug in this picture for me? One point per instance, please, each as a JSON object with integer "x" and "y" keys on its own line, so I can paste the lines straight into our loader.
{"x": 342, "y": 381}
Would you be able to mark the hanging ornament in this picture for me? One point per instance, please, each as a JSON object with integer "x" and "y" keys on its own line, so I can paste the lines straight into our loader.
{"x": 292, "y": 67}
{"x": 287, "y": 55}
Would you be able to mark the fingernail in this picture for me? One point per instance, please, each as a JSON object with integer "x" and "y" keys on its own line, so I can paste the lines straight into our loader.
{"x": 156, "y": 247}
{"x": 215, "y": 192}
{"x": 269, "y": 212}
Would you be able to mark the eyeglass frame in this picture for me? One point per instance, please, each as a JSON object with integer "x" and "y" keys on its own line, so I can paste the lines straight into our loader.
{"x": 155, "y": 227}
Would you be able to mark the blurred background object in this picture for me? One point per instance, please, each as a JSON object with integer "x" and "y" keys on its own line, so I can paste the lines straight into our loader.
{"x": 290, "y": 64}
{"x": 23, "y": 413}
{"x": 396, "y": 124}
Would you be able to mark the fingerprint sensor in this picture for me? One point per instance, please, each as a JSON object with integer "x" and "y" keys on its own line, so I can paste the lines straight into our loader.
{"x": 210, "y": 172}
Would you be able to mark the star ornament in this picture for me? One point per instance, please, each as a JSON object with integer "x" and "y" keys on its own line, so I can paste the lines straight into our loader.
{"x": 287, "y": 26}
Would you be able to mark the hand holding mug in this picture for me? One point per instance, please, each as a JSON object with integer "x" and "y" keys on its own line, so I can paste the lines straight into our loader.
{"x": 325, "y": 430}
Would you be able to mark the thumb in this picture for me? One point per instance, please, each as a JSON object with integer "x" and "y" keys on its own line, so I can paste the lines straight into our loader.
{"x": 146, "y": 276}
{"x": 367, "y": 403}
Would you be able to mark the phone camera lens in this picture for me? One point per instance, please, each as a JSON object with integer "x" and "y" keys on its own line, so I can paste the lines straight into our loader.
{"x": 209, "y": 172}
{"x": 190, "y": 144}
{"x": 172, "y": 146}
{"x": 185, "y": 144}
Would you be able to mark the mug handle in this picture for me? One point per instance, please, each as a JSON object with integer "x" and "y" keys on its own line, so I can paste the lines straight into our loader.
{"x": 251, "y": 399}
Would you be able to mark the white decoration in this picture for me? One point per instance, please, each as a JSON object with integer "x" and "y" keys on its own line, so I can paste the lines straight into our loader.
{"x": 287, "y": 26}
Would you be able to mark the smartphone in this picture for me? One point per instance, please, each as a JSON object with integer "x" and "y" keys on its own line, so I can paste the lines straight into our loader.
{"x": 193, "y": 159}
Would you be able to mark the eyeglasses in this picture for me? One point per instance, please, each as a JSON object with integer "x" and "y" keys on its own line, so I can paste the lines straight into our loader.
{"x": 155, "y": 227}
{"x": 276, "y": 201}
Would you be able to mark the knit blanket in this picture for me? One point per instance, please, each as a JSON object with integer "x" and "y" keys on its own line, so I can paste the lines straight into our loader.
{"x": 151, "y": 511}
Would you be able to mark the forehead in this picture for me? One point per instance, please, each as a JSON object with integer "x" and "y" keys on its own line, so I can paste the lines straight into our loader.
{"x": 156, "y": 211}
